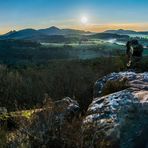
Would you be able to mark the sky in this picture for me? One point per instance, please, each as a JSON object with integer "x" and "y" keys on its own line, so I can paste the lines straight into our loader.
{"x": 101, "y": 14}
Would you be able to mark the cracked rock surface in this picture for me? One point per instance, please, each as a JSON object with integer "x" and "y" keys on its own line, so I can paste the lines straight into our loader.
{"x": 119, "y": 119}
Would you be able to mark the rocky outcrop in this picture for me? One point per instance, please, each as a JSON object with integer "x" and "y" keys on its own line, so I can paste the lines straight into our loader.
{"x": 119, "y": 119}
{"x": 66, "y": 109}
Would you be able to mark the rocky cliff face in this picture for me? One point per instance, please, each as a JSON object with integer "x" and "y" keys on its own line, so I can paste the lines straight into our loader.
{"x": 119, "y": 119}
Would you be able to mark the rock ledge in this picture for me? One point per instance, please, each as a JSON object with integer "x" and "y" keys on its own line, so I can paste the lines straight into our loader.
{"x": 119, "y": 119}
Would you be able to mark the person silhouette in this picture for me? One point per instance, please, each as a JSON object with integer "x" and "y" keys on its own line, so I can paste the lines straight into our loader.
{"x": 134, "y": 53}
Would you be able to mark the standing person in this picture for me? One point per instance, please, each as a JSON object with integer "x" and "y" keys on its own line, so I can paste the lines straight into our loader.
{"x": 134, "y": 53}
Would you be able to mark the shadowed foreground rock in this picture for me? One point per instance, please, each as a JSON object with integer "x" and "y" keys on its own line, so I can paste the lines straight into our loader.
{"x": 119, "y": 119}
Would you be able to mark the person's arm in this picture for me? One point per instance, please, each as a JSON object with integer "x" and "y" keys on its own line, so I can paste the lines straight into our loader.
{"x": 141, "y": 49}
{"x": 127, "y": 47}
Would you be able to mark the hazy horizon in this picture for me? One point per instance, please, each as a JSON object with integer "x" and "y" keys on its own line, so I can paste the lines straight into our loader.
{"x": 94, "y": 15}
{"x": 80, "y": 29}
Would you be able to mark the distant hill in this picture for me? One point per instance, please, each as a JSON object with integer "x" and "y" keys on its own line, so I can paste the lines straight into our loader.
{"x": 22, "y": 34}
{"x": 51, "y": 31}
{"x": 126, "y": 32}
{"x": 108, "y": 36}
{"x": 10, "y": 32}
{"x": 56, "y": 31}
{"x": 144, "y": 32}
{"x": 121, "y": 31}
{"x": 42, "y": 34}
{"x": 75, "y": 32}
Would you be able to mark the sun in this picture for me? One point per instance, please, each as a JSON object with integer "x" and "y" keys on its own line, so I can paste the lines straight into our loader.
{"x": 84, "y": 20}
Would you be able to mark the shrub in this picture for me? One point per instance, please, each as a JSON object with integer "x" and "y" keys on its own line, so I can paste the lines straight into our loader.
{"x": 115, "y": 86}
{"x": 3, "y": 134}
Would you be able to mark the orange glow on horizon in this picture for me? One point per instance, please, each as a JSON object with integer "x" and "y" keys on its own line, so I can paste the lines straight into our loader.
{"x": 91, "y": 27}
{"x": 104, "y": 27}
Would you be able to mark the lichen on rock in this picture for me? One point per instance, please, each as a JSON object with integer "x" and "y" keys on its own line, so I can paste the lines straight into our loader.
{"x": 120, "y": 118}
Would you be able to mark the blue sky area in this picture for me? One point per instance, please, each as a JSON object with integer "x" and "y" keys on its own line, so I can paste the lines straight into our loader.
{"x": 101, "y": 14}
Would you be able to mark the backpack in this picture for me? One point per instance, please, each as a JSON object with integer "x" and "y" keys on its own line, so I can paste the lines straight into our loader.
{"x": 134, "y": 49}
{"x": 137, "y": 50}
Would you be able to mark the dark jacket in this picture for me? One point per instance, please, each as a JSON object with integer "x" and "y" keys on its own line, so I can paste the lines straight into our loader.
{"x": 134, "y": 49}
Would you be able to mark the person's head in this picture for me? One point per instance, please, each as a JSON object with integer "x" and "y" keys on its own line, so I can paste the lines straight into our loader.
{"x": 132, "y": 43}
{"x": 134, "y": 48}
{"x": 128, "y": 44}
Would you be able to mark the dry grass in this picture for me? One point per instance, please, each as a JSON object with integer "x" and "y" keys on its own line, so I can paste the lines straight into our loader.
{"x": 115, "y": 86}
{"x": 45, "y": 128}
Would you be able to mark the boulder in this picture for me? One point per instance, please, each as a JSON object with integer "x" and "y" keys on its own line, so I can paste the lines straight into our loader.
{"x": 66, "y": 108}
{"x": 119, "y": 119}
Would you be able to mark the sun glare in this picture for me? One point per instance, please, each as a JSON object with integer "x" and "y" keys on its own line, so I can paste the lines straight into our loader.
{"x": 84, "y": 20}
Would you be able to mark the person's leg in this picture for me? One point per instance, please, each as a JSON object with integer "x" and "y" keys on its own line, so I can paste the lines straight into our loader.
{"x": 137, "y": 64}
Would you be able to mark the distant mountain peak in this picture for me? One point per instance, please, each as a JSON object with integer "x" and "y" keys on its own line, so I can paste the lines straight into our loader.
{"x": 51, "y": 28}
{"x": 54, "y": 27}
{"x": 51, "y": 31}
{"x": 121, "y": 31}
{"x": 11, "y": 32}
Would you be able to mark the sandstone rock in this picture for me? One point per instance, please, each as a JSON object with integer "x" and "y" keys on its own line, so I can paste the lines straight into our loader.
{"x": 119, "y": 119}
{"x": 67, "y": 108}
